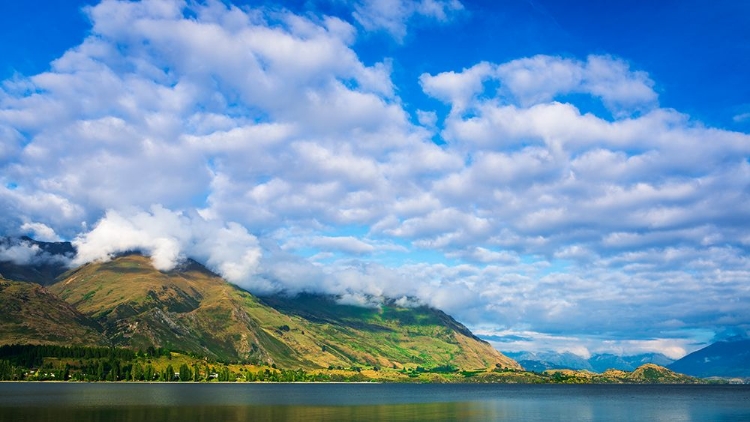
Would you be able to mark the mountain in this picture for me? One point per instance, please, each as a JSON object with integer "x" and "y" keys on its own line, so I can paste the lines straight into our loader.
{"x": 645, "y": 374}
{"x": 30, "y": 314}
{"x": 49, "y": 262}
{"x": 722, "y": 359}
{"x": 195, "y": 311}
{"x": 602, "y": 362}
{"x": 649, "y": 374}
{"x": 541, "y": 361}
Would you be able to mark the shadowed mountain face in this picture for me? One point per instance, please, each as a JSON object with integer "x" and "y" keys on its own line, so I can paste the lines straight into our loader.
{"x": 49, "y": 262}
{"x": 129, "y": 303}
{"x": 722, "y": 359}
{"x": 30, "y": 314}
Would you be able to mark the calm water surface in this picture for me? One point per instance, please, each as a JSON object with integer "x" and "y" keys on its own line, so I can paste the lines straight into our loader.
{"x": 69, "y": 402}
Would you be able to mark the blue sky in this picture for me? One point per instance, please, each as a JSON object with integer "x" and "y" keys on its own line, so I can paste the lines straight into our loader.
{"x": 568, "y": 176}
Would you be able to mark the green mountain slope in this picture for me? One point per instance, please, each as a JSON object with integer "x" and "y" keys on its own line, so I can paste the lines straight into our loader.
{"x": 189, "y": 309}
{"x": 29, "y": 314}
{"x": 649, "y": 374}
{"x": 390, "y": 335}
{"x": 193, "y": 310}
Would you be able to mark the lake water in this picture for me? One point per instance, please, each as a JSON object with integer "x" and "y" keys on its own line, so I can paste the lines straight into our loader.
{"x": 80, "y": 402}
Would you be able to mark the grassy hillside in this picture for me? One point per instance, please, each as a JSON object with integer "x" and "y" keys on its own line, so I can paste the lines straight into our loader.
{"x": 193, "y": 310}
{"x": 388, "y": 336}
{"x": 651, "y": 373}
{"x": 644, "y": 374}
{"x": 188, "y": 309}
{"x": 29, "y": 314}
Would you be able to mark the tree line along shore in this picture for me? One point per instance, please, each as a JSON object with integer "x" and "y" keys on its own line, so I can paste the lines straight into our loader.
{"x": 102, "y": 364}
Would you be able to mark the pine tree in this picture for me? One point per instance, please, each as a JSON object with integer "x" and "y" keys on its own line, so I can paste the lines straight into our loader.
{"x": 224, "y": 374}
{"x": 100, "y": 371}
{"x": 137, "y": 372}
{"x": 196, "y": 373}
{"x": 149, "y": 373}
{"x": 185, "y": 373}
{"x": 114, "y": 373}
{"x": 6, "y": 370}
{"x": 169, "y": 373}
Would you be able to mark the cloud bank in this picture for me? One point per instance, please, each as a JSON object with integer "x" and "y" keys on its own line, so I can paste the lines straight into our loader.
{"x": 169, "y": 238}
{"x": 561, "y": 201}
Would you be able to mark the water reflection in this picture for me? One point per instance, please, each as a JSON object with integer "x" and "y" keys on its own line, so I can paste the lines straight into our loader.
{"x": 403, "y": 412}
{"x": 497, "y": 410}
{"x": 233, "y": 402}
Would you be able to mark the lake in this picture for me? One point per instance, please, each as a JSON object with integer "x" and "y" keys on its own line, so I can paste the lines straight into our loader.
{"x": 82, "y": 402}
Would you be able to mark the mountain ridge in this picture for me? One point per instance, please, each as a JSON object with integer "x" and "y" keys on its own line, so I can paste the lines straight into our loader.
{"x": 192, "y": 309}
{"x": 599, "y": 363}
{"x": 728, "y": 358}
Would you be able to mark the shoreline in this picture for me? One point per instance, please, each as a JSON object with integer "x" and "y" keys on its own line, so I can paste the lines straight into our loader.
{"x": 708, "y": 383}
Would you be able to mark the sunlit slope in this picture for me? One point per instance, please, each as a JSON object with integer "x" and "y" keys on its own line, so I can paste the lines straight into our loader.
{"x": 649, "y": 374}
{"x": 389, "y": 335}
{"x": 29, "y": 314}
{"x": 189, "y": 309}
{"x": 193, "y": 310}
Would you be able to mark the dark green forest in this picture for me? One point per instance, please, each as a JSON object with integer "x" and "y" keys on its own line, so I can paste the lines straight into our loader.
{"x": 78, "y": 363}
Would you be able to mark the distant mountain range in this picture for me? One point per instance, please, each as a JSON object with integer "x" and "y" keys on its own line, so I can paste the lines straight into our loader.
{"x": 541, "y": 361}
{"x": 730, "y": 358}
{"x": 727, "y": 359}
